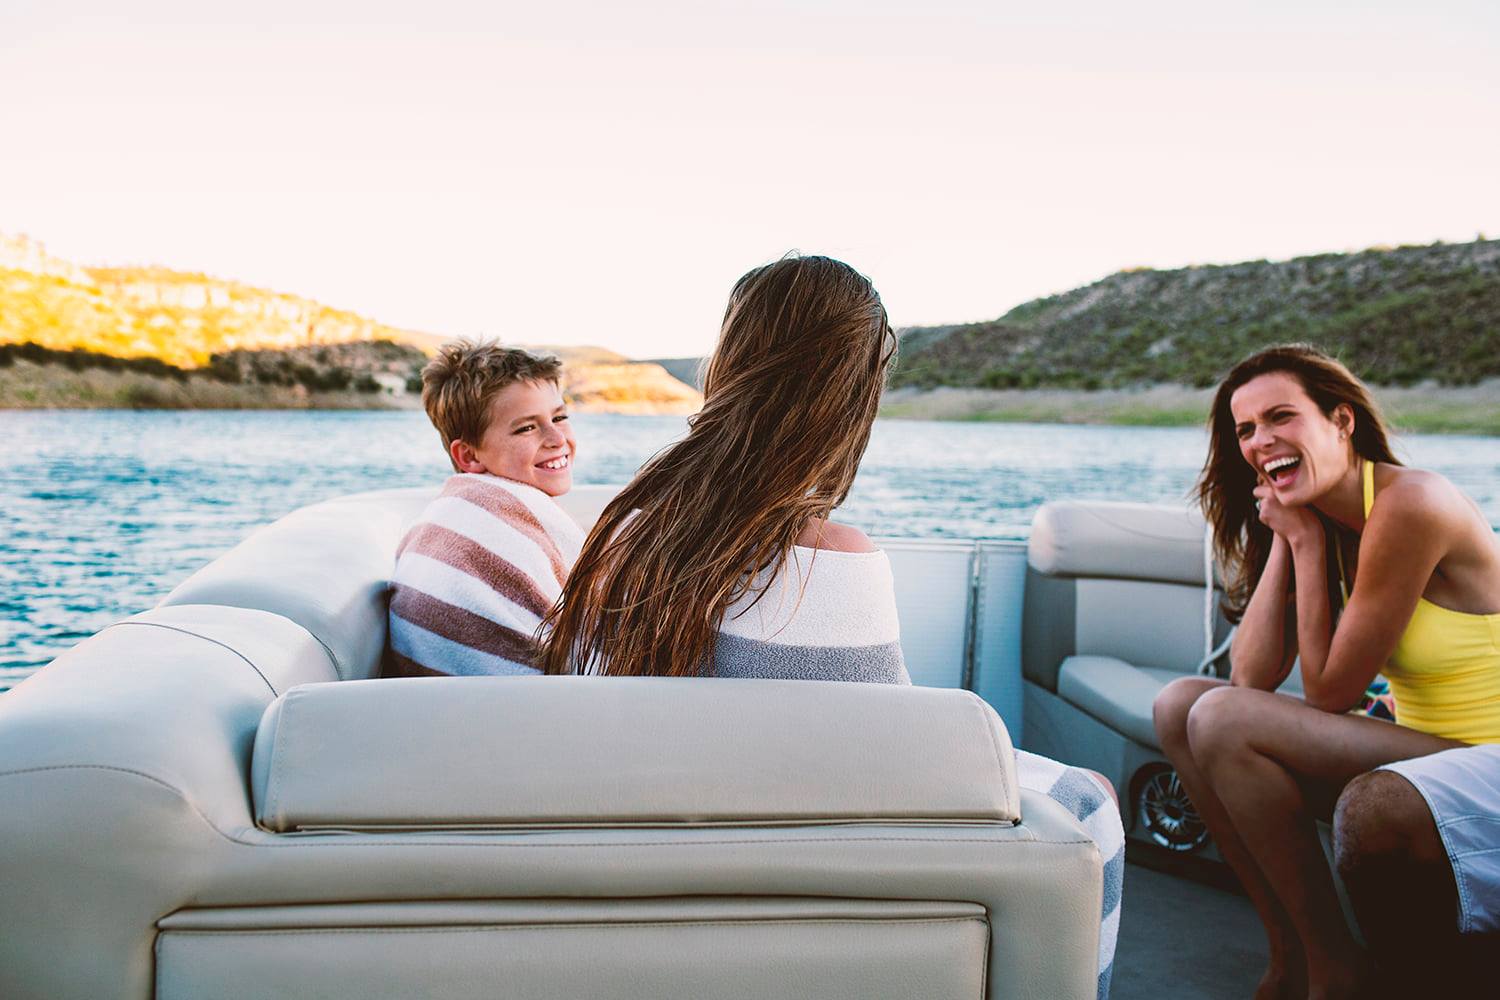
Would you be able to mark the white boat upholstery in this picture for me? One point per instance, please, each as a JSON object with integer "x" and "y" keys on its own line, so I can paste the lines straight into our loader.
{"x": 1114, "y": 611}
{"x": 1115, "y": 692}
{"x": 190, "y": 806}
{"x": 1131, "y": 541}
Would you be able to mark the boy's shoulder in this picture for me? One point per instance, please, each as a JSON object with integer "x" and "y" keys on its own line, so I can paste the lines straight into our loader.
{"x": 517, "y": 504}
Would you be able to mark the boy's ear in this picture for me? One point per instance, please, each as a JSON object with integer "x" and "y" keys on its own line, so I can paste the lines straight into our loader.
{"x": 464, "y": 459}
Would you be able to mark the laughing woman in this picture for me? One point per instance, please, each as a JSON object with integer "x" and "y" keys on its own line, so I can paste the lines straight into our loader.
{"x": 1342, "y": 556}
{"x": 719, "y": 558}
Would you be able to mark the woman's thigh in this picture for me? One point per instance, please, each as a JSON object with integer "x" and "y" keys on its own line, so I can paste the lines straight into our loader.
{"x": 1313, "y": 744}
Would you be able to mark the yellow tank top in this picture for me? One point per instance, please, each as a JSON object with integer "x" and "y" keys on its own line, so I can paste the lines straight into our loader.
{"x": 1445, "y": 671}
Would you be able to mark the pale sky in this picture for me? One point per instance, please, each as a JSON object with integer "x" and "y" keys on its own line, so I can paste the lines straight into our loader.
{"x": 601, "y": 172}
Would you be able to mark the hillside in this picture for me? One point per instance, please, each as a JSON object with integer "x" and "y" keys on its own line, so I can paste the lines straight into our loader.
{"x": 178, "y": 317}
{"x": 1395, "y": 316}
{"x": 150, "y": 336}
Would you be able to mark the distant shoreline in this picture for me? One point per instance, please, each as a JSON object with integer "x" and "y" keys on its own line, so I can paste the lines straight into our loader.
{"x": 1423, "y": 409}
{"x": 1420, "y": 409}
{"x": 25, "y": 385}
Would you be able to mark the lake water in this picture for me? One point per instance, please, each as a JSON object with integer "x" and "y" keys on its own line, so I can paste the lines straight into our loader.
{"x": 103, "y": 512}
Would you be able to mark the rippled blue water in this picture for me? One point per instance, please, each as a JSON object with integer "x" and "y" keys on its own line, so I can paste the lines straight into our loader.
{"x": 102, "y": 512}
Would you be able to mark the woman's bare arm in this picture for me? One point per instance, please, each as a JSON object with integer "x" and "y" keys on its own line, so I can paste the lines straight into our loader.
{"x": 1408, "y": 533}
{"x": 1265, "y": 644}
{"x": 1314, "y": 616}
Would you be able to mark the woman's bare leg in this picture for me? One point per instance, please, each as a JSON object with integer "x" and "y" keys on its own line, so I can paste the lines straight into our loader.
{"x": 1253, "y": 747}
{"x": 1285, "y": 975}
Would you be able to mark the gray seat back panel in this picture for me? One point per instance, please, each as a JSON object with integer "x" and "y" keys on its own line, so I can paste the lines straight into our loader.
{"x": 1148, "y": 624}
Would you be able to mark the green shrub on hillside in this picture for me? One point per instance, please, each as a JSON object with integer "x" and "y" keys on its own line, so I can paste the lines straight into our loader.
{"x": 1395, "y": 316}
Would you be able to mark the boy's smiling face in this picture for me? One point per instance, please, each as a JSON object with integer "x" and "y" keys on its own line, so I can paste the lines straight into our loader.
{"x": 529, "y": 439}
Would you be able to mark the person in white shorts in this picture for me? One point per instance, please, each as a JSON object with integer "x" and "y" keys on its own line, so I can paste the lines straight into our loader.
{"x": 1417, "y": 843}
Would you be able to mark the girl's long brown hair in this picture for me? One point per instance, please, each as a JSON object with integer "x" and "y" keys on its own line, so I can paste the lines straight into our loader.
{"x": 789, "y": 397}
{"x": 1225, "y": 487}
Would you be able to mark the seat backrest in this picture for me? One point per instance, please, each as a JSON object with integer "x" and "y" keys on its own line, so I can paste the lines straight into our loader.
{"x": 1115, "y": 579}
{"x": 525, "y": 751}
{"x": 326, "y": 567}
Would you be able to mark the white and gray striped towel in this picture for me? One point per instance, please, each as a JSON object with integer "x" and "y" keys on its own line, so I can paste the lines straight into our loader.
{"x": 475, "y": 576}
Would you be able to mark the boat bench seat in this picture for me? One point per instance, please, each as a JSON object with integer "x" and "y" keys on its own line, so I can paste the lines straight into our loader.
{"x": 1116, "y": 597}
{"x": 1114, "y": 607}
{"x": 1117, "y": 693}
{"x": 215, "y": 799}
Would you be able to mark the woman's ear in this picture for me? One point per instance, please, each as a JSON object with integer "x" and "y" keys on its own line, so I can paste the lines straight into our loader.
{"x": 1343, "y": 419}
{"x": 464, "y": 458}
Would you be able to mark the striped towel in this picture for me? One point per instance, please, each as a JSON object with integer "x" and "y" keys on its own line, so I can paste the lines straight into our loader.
{"x": 474, "y": 577}
{"x": 1081, "y": 794}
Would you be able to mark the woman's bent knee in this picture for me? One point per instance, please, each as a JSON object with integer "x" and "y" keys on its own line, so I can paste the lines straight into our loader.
{"x": 1213, "y": 722}
{"x": 1169, "y": 712}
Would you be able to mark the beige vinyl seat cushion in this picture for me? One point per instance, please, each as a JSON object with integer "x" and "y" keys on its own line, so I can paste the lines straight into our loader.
{"x": 1120, "y": 694}
{"x": 1117, "y": 693}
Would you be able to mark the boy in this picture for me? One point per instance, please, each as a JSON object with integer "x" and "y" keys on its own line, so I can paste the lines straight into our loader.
{"x": 485, "y": 562}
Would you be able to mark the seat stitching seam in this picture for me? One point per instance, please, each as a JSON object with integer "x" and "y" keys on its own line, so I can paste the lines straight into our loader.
{"x": 979, "y": 704}
{"x": 205, "y": 638}
{"x": 273, "y": 787}
{"x": 569, "y": 924}
{"x": 341, "y": 843}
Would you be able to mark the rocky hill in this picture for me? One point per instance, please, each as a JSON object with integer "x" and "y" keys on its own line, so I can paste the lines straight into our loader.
{"x": 1396, "y": 316}
{"x": 178, "y": 317}
{"x": 152, "y": 336}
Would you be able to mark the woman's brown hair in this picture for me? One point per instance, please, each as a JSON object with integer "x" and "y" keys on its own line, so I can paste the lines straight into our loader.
{"x": 1225, "y": 487}
{"x": 789, "y": 397}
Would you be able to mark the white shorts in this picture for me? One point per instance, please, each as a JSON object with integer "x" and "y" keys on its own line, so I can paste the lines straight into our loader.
{"x": 1462, "y": 788}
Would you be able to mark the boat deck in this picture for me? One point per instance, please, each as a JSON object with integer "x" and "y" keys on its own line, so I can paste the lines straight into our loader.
{"x": 1182, "y": 939}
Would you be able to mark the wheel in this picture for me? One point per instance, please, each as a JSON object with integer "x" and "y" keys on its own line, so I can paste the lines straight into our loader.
{"x": 1167, "y": 814}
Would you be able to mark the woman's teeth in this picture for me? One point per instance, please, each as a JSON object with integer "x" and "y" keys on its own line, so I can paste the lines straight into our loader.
{"x": 1281, "y": 468}
{"x": 560, "y": 462}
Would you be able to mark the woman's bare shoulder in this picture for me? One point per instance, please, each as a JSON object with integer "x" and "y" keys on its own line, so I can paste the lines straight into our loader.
{"x": 1417, "y": 491}
{"x": 833, "y": 537}
{"x": 1418, "y": 498}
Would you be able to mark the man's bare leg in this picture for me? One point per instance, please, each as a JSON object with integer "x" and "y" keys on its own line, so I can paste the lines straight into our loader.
{"x": 1398, "y": 876}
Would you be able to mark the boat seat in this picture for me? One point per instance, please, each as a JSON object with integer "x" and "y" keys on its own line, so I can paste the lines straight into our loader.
{"x": 209, "y": 800}
{"x": 1117, "y": 603}
{"x": 1117, "y": 693}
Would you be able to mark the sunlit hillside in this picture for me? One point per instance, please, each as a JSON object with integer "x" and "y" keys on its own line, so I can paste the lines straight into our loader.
{"x": 154, "y": 337}
{"x": 178, "y": 317}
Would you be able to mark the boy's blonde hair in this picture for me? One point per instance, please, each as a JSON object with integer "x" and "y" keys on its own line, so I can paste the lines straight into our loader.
{"x": 461, "y": 381}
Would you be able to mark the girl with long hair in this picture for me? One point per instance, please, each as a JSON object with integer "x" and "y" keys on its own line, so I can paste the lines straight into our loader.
{"x": 693, "y": 542}
{"x": 1337, "y": 554}
{"x": 719, "y": 558}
